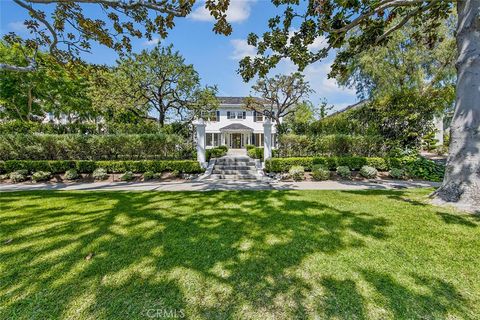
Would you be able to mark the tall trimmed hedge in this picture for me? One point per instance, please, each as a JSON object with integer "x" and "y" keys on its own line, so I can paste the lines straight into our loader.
{"x": 85, "y": 166}
{"x": 416, "y": 167}
{"x": 21, "y": 127}
{"x": 94, "y": 147}
{"x": 291, "y": 145}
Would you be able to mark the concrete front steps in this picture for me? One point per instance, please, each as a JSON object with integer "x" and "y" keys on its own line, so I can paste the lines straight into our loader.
{"x": 234, "y": 168}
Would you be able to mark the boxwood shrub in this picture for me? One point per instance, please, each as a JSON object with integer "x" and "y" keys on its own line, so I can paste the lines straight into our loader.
{"x": 136, "y": 166}
{"x": 41, "y": 176}
{"x": 255, "y": 152}
{"x": 216, "y": 152}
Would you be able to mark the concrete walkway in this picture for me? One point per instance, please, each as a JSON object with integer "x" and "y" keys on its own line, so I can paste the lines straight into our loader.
{"x": 221, "y": 185}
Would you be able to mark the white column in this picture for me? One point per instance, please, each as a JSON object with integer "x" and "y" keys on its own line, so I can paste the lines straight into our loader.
{"x": 267, "y": 139}
{"x": 438, "y": 127}
{"x": 200, "y": 126}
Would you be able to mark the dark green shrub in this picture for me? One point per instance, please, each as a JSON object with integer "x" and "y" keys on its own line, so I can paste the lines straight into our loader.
{"x": 71, "y": 174}
{"x": 397, "y": 173}
{"x": 223, "y": 147}
{"x": 100, "y": 174}
{"x": 297, "y": 173}
{"x": 378, "y": 163}
{"x": 354, "y": 163}
{"x": 425, "y": 169}
{"x": 320, "y": 173}
{"x": 41, "y": 176}
{"x": 18, "y": 176}
{"x": 3, "y": 169}
{"x": 255, "y": 153}
{"x": 284, "y": 164}
{"x": 85, "y": 166}
{"x": 368, "y": 172}
{"x": 127, "y": 176}
{"x": 344, "y": 172}
{"x": 216, "y": 152}
{"x": 148, "y": 175}
{"x": 249, "y": 146}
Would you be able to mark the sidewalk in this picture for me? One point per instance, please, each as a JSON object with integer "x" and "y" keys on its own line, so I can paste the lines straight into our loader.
{"x": 220, "y": 185}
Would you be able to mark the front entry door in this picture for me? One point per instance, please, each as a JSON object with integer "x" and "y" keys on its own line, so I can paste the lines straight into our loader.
{"x": 237, "y": 141}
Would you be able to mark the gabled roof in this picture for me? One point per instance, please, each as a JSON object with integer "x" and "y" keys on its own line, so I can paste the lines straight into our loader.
{"x": 235, "y": 100}
{"x": 236, "y": 127}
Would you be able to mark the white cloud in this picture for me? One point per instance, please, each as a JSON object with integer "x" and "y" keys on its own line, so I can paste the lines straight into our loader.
{"x": 318, "y": 44}
{"x": 242, "y": 49}
{"x": 18, "y": 26}
{"x": 152, "y": 42}
{"x": 317, "y": 75}
{"x": 238, "y": 11}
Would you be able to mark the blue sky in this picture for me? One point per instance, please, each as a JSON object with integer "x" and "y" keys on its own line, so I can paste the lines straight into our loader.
{"x": 215, "y": 57}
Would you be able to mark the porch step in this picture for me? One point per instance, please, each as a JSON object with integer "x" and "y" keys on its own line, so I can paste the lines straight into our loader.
{"x": 234, "y": 177}
{"x": 222, "y": 161}
{"x": 248, "y": 171}
{"x": 234, "y": 167}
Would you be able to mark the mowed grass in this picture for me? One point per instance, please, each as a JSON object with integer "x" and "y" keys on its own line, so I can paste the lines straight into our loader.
{"x": 236, "y": 255}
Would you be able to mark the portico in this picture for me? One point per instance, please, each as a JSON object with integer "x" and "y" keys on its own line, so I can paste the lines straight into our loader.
{"x": 236, "y": 135}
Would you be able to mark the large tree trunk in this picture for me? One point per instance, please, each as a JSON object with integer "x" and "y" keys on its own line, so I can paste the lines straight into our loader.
{"x": 161, "y": 117}
{"x": 461, "y": 186}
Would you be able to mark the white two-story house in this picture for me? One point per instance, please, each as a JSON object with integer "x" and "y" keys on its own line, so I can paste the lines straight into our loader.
{"x": 235, "y": 126}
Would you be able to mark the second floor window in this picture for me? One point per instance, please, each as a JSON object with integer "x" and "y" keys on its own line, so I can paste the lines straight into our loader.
{"x": 258, "y": 116}
{"x": 213, "y": 116}
{"x": 236, "y": 114}
{"x": 241, "y": 115}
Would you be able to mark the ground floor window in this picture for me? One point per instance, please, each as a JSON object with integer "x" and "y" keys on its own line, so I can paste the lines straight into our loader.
{"x": 258, "y": 139}
{"x": 213, "y": 139}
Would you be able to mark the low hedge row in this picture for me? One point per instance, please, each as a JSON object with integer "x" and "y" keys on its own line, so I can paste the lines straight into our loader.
{"x": 87, "y": 166}
{"x": 416, "y": 167}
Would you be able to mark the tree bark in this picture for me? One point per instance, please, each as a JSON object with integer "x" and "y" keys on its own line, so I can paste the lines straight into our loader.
{"x": 161, "y": 117}
{"x": 461, "y": 185}
{"x": 29, "y": 104}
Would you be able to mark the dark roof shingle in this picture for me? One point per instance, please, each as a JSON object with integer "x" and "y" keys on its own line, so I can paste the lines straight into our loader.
{"x": 235, "y": 100}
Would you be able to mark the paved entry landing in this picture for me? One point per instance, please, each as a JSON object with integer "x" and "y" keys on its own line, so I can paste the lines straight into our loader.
{"x": 237, "y": 153}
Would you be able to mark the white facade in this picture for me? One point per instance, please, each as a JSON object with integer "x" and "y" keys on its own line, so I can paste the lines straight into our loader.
{"x": 234, "y": 126}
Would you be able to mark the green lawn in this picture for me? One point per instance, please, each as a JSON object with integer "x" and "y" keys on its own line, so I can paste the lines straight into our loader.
{"x": 249, "y": 255}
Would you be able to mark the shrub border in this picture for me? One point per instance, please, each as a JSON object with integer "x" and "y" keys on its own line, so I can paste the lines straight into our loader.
{"x": 87, "y": 166}
{"x": 417, "y": 167}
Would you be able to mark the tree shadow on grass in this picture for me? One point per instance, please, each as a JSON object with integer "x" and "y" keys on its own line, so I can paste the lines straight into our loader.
{"x": 458, "y": 219}
{"x": 208, "y": 254}
{"x": 432, "y": 299}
